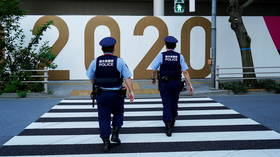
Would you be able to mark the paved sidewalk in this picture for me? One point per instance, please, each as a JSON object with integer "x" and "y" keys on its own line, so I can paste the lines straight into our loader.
{"x": 143, "y": 88}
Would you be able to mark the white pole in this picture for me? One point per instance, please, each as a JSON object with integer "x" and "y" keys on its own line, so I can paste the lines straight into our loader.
{"x": 46, "y": 79}
{"x": 192, "y": 6}
{"x": 213, "y": 43}
{"x": 158, "y": 7}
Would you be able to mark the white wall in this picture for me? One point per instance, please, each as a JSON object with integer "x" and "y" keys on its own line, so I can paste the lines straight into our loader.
{"x": 134, "y": 48}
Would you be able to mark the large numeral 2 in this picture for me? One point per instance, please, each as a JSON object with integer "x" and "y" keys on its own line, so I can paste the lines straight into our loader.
{"x": 58, "y": 45}
{"x": 140, "y": 71}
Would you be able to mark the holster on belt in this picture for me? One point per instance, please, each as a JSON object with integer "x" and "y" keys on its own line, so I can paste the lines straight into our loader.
{"x": 93, "y": 93}
{"x": 122, "y": 92}
{"x": 182, "y": 85}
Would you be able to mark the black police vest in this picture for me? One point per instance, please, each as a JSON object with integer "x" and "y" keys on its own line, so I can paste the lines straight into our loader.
{"x": 106, "y": 73}
{"x": 170, "y": 67}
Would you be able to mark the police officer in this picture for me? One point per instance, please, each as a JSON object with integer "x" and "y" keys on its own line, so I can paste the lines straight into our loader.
{"x": 107, "y": 72}
{"x": 171, "y": 65}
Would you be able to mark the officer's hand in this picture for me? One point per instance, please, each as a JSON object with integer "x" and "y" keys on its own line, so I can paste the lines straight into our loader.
{"x": 154, "y": 81}
{"x": 131, "y": 96}
{"x": 190, "y": 90}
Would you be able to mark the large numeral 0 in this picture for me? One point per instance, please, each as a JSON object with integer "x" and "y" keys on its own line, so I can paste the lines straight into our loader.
{"x": 140, "y": 71}
{"x": 185, "y": 44}
{"x": 59, "y": 43}
{"x": 89, "y": 36}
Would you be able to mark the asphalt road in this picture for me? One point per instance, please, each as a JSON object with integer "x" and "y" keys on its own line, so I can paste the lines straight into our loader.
{"x": 16, "y": 114}
{"x": 261, "y": 108}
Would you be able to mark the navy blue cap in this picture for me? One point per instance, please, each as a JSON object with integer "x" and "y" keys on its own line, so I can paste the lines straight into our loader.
{"x": 108, "y": 41}
{"x": 170, "y": 39}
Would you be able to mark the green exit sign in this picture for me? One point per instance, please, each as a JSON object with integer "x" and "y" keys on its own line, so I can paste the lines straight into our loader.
{"x": 179, "y": 6}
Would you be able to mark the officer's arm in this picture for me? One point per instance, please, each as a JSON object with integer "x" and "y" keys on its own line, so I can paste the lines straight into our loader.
{"x": 129, "y": 85}
{"x": 91, "y": 70}
{"x": 188, "y": 81}
{"x": 154, "y": 66}
{"x": 154, "y": 75}
{"x": 127, "y": 78}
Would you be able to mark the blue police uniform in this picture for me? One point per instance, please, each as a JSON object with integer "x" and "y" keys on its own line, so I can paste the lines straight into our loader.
{"x": 108, "y": 72}
{"x": 170, "y": 65}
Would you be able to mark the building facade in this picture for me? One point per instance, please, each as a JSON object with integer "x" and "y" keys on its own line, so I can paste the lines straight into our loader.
{"x": 140, "y": 7}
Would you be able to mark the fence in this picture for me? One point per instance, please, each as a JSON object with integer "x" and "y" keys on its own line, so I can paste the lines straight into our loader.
{"x": 45, "y": 77}
{"x": 220, "y": 75}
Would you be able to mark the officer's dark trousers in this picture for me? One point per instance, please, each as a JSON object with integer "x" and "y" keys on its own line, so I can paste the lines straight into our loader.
{"x": 109, "y": 103}
{"x": 169, "y": 92}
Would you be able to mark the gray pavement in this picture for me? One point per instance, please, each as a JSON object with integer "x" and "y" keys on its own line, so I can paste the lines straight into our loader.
{"x": 143, "y": 88}
{"x": 261, "y": 108}
{"x": 16, "y": 114}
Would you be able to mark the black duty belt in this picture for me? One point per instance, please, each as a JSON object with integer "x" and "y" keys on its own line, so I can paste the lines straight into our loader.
{"x": 121, "y": 91}
{"x": 166, "y": 78}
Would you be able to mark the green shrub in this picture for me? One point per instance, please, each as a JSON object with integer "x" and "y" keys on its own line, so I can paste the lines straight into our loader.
{"x": 1, "y": 88}
{"x": 236, "y": 87}
{"x": 35, "y": 87}
{"x": 50, "y": 92}
{"x": 21, "y": 94}
{"x": 267, "y": 84}
{"x": 277, "y": 89}
{"x": 12, "y": 86}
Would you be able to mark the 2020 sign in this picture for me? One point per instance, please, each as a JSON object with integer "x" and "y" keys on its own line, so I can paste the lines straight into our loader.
{"x": 140, "y": 71}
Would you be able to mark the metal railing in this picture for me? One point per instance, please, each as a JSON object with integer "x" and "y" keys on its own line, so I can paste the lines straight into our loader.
{"x": 45, "y": 77}
{"x": 220, "y": 76}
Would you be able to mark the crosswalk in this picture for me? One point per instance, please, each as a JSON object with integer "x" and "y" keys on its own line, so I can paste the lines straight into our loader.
{"x": 203, "y": 128}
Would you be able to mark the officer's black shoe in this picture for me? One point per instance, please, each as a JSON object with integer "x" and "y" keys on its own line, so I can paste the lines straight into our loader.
{"x": 168, "y": 131}
{"x": 115, "y": 135}
{"x": 107, "y": 145}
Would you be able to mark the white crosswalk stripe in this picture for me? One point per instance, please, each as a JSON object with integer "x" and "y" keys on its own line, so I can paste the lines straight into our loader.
{"x": 142, "y": 105}
{"x": 204, "y": 128}
{"x": 144, "y": 138}
{"x": 139, "y": 100}
{"x": 157, "y": 123}
{"x": 132, "y": 114}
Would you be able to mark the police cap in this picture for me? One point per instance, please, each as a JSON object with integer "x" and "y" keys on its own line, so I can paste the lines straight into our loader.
{"x": 170, "y": 39}
{"x": 108, "y": 41}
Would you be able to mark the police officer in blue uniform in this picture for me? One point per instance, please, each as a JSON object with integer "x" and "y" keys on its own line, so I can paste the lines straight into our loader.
{"x": 171, "y": 65}
{"x": 107, "y": 72}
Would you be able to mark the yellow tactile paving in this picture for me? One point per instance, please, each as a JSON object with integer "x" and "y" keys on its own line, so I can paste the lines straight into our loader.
{"x": 256, "y": 90}
{"x": 86, "y": 83}
{"x": 80, "y": 92}
{"x": 136, "y": 91}
{"x": 146, "y": 91}
{"x": 136, "y": 85}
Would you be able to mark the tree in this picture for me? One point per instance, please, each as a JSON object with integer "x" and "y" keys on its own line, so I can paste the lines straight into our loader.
{"x": 16, "y": 53}
{"x": 10, "y": 13}
{"x": 235, "y": 11}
